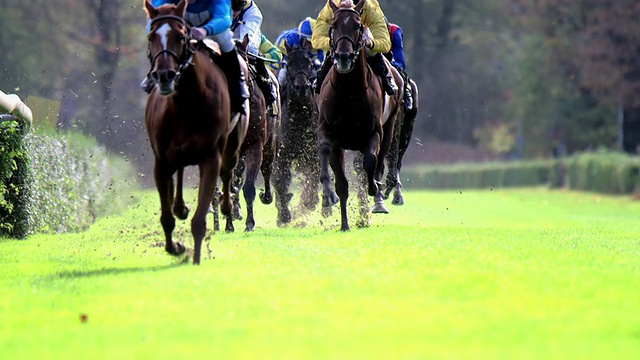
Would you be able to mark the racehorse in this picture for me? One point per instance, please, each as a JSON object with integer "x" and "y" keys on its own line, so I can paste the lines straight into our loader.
{"x": 257, "y": 152}
{"x": 353, "y": 112}
{"x": 297, "y": 137}
{"x": 401, "y": 140}
{"x": 189, "y": 122}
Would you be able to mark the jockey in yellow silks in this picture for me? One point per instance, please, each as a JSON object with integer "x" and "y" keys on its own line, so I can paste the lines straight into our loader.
{"x": 373, "y": 18}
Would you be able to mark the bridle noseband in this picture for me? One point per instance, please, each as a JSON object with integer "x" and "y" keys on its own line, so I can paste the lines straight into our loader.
{"x": 185, "y": 58}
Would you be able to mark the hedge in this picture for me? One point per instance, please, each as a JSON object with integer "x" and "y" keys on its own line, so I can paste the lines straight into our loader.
{"x": 69, "y": 182}
{"x": 602, "y": 171}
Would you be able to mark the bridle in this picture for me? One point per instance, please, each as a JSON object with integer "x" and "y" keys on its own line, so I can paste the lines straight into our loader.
{"x": 291, "y": 76}
{"x": 358, "y": 44}
{"x": 185, "y": 58}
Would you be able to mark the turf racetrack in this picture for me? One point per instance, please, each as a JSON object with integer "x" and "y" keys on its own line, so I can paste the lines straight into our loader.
{"x": 517, "y": 274}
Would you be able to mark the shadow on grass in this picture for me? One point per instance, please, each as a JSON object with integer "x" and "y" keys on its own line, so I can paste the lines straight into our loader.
{"x": 73, "y": 274}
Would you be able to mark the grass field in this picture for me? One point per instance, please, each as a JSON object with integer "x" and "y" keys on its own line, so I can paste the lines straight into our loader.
{"x": 516, "y": 274}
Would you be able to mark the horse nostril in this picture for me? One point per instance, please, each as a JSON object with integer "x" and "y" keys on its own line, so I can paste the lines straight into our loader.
{"x": 155, "y": 76}
{"x": 171, "y": 75}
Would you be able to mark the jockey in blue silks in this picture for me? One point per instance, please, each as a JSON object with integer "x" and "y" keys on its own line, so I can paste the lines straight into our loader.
{"x": 297, "y": 37}
{"x": 212, "y": 18}
{"x": 247, "y": 20}
{"x": 396, "y": 56}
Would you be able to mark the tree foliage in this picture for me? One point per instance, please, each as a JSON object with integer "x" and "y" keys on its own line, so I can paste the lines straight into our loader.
{"x": 544, "y": 71}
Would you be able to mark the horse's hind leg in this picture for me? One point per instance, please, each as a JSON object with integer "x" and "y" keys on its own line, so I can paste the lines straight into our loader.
{"x": 164, "y": 184}
{"x": 208, "y": 175}
{"x": 180, "y": 210}
{"x": 254, "y": 159}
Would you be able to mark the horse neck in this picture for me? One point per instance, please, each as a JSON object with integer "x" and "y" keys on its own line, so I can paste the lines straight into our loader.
{"x": 192, "y": 82}
{"x": 359, "y": 77}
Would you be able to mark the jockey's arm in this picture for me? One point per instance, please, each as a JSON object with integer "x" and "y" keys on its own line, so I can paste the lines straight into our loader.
{"x": 251, "y": 23}
{"x": 320, "y": 36}
{"x": 373, "y": 18}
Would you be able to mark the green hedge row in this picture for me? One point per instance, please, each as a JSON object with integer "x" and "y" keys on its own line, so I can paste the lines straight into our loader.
{"x": 14, "y": 175}
{"x": 604, "y": 172}
{"x": 71, "y": 182}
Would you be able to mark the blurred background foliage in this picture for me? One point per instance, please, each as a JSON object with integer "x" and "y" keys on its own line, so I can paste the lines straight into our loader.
{"x": 512, "y": 78}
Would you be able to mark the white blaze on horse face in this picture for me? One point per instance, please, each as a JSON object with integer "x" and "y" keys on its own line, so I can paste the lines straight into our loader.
{"x": 163, "y": 32}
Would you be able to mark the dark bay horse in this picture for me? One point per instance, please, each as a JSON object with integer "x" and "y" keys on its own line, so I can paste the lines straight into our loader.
{"x": 353, "y": 113}
{"x": 257, "y": 152}
{"x": 401, "y": 140}
{"x": 189, "y": 122}
{"x": 297, "y": 144}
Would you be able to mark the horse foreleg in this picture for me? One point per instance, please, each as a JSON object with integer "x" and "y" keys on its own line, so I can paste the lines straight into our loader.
{"x": 268, "y": 156}
{"x": 209, "y": 170}
{"x": 164, "y": 184}
{"x": 371, "y": 163}
{"x": 225, "y": 175}
{"x": 254, "y": 159}
{"x": 342, "y": 186}
{"x": 329, "y": 197}
{"x": 238, "y": 182}
{"x": 282, "y": 182}
{"x": 180, "y": 210}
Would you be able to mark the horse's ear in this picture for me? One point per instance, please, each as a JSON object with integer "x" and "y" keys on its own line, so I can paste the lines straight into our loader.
{"x": 287, "y": 47}
{"x": 334, "y": 7}
{"x": 150, "y": 10}
{"x": 181, "y": 8}
{"x": 360, "y": 6}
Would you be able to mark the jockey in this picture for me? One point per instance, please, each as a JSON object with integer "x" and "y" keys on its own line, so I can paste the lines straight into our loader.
{"x": 298, "y": 37}
{"x": 374, "y": 19}
{"x": 247, "y": 20}
{"x": 396, "y": 56}
{"x": 212, "y": 18}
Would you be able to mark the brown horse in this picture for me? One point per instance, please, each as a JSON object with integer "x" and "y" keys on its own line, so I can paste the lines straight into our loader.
{"x": 353, "y": 113}
{"x": 189, "y": 122}
{"x": 257, "y": 152}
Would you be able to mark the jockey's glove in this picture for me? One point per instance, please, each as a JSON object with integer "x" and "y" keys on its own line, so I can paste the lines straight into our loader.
{"x": 368, "y": 43}
{"x": 198, "y": 33}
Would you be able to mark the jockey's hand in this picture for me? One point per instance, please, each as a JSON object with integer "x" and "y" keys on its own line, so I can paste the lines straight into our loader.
{"x": 368, "y": 43}
{"x": 198, "y": 33}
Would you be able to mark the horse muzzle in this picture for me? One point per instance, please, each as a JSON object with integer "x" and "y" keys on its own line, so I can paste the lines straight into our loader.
{"x": 165, "y": 80}
{"x": 344, "y": 62}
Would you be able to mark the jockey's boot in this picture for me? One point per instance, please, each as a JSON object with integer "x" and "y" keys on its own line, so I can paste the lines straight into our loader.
{"x": 380, "y": 68}
{"x": 238, "y": 90}
{"x": 147, "y": 84}
{"x": 268, "y": 90}
{"x": 408, "y": 96}
{"x": 322, "y": 73}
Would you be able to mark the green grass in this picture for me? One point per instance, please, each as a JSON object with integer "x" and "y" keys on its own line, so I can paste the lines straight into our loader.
{"x": 526, "y": 274}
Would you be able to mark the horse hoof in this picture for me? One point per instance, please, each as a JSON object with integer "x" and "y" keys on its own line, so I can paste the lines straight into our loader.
{"x": 182, "y": 213}
{"x": 345, "y": 227}
{"x": 380, "y": 209}
{"x": 284, "y": 217}
{"x": 329, "y": 201}
{"x": 397, "y": 200}
{"x": 175, "y": 248}
{"x": 266, "y": 198}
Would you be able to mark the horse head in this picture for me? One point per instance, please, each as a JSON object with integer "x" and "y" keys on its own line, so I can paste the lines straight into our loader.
{"x": 345, "y": 34}
{"x": 299, "y": 70}
{"x": 168, "y": 48}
